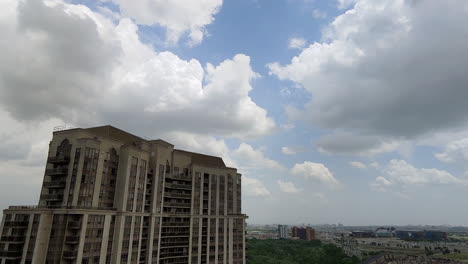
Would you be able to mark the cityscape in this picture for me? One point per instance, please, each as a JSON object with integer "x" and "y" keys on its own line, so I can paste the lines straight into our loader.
{"x": 233, "y": 132}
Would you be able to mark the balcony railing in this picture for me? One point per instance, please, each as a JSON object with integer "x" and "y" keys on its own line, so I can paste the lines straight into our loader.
{"x": 69, "y": 254}
{"x": 72, "y": 240}
{"x": 10, "y": 254}
{"x": 52, "y": 197}
{"x": 16, "y": 223}
{"x": 59, "y": 160}
{"x": 182, "y": 205}
{"x": 74, "y": 224}
{"x": 178, "y": 186}
{"x": 12, "y": 239}
{"x": 57, "y": 172}
{"x": 178, "y": 195}
{"x": 29, "y": 207}
{"x": 55, "y": 184}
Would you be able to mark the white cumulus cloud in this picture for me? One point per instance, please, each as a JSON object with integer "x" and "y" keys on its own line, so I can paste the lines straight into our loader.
{"x": 386, "y": 70}
{"x": 254, "y": 187}
{"x": 358, "y": 164}
{"x": 297, "y": 43}
{"x": 177, "y": 17}
{"x": 246, "y": 154}
{"x": 454, "y": 151}
{"x": 315, "y": 172}
{"x": 288, "y": 187}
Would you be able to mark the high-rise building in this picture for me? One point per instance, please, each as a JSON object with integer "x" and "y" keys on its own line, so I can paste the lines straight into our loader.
{"x": 283, "y": 232}
{"x": 303, "y": 233}
{"x": 111, "y": 197}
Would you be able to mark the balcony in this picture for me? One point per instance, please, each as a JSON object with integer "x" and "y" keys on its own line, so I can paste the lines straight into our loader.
{"x": 57, "y": 172}
{"x": 55, "y": 184}
{"x": 181, "y": 205}
{"x": 10, "y": 254}
{"x": 23, "y": 224}
{"x": 52, "y": 197}
{"x": 178, "y": 186}
{"x": 69, "y": 254}
{"x": 72, "y": 239}
{"x": 59, "y": 160}
{"x": 12, "y": 239}
{"x": 178, "y": 195}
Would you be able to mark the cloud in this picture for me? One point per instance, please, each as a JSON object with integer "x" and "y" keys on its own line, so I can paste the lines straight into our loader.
{"x": 77, "y": 65}
{"x": 357, "y": 164}
{"x": 386, "y": 69}
{"x": 350, "y": 144}
{"x": 291, "y": 150}
{"x": 380, "y": 184}
{"x": 177, "y": 17}
{"x": 315, "y": 172}
{"x": 288, "y": 187}
{"x": 246, "y": 154}
{"x": 297, "y": 43}
{"x": 454, "y": 151}
{"x": 254, "y": 187}
{"x": 401, "y": 173}
{"x": 202, "y": 144}
{"x": 318, "y": 14}
{"x": 344, "y": 4}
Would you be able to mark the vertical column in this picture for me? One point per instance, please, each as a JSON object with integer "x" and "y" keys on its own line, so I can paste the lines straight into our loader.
{"x": 105, "y": 239}
{"x": 225, "y": 235}
{"x": 84, "y": 226}
{"x": 208, "y": 228}
{"x": 243, "y": 241}
{"x": 149, "y": 252}
{"x": 42, "y": 238}
{"x": 98, "y": 179}
{"x": 231, "y": 222}
{"x": 137, "y": 181}
{"x": 130, "y": 240}
{"x": 216, "y": 238}
{"x": 79, "y": 174}
{"x": 28, "y": 238}
{"x": 140, "y": 237}
{"x": 118, "y": 238}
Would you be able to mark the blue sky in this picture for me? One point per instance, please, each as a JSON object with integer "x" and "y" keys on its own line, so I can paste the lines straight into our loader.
{"x": 347, "y": 111}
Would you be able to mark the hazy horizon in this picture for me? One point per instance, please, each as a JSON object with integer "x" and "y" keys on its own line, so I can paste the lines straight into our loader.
{"x": 343, "y": 111}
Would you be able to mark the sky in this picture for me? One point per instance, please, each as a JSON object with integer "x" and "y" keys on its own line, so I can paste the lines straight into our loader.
{"x": 339, "y": 111}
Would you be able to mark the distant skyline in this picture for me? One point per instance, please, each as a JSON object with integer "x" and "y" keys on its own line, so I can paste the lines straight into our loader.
{"x": 346, "y": 111}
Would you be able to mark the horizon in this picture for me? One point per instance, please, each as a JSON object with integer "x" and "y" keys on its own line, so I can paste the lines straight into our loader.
{"x": 343, "y": 111}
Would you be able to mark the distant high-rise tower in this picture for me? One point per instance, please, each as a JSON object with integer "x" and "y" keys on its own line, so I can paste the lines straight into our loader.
{"x": 111, "y": 197}
{"x": 283, "y": 232}
{"x": 303, "y": 233}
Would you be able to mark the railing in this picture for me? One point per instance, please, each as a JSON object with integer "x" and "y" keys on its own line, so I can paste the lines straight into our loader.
{"x": 12, "y": 239}
{"x": 28, "y": 207}
{"x": 58, "y": 160}
{"x": 21, "y": 223}
{"x": 55, "y": 184}
{"x": 183, "y": 205}
{"x": 72, "y": 239}
{"x": 54, "y": 196}
{"x": 69, "y": 254}
{"x": 179, "y": 177}
{"x": 178, "y": 186}
{"x": 74, "y": 224}
{"x": 178, "y": 195}
{"x": 10, "y": 254}
{"x": 56, "y": 171}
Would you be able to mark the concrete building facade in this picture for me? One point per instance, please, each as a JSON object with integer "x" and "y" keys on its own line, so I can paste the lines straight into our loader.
{"x": 303, "y": 233}
{"x": 111, "y": 197}
{"x": 283, "y": 232}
